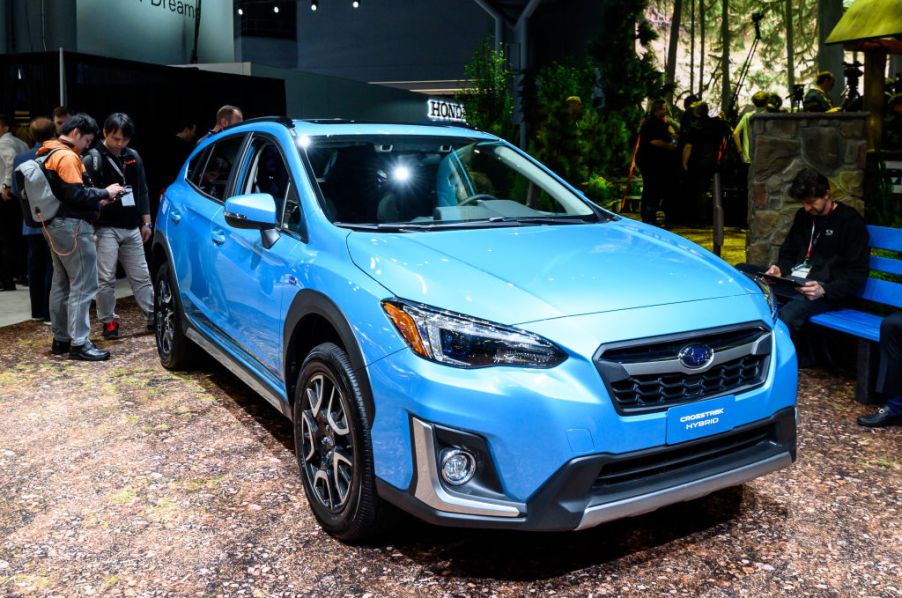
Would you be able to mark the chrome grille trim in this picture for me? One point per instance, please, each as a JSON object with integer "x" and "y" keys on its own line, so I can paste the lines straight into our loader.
{"x": 646, "y": 375}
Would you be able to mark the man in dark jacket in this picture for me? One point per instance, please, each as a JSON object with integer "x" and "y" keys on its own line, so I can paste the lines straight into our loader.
{"x": 655, "y": 155}
{"x": 40, "y": 265}
{"x": 123, "y": 226}
{"x": 827, "y": 244}
{"x": 704, "y": 145}
{"x": 71, "y": 238}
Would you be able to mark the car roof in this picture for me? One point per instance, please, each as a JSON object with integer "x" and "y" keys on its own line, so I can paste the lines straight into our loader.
{"x": 315, "y": 127}
{"x": 345, "y": 127}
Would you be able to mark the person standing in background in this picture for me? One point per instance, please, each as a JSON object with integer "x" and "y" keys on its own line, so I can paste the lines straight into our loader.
{"x": 10, "y": 213}
{"x": 40, "y": 265}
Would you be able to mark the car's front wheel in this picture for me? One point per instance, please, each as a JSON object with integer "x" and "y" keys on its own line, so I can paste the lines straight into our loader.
{"x": 333, "y": 447}
{"x": 174, "y": 348}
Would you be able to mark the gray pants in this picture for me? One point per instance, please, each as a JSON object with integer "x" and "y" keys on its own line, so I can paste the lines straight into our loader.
{"x": 74, "y": 278}
{"x": 125, "y": 246}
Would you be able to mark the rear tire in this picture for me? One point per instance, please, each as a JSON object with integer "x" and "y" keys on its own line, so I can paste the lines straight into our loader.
{"x": 333, "y": 447}
{"x": 174, "y": 348}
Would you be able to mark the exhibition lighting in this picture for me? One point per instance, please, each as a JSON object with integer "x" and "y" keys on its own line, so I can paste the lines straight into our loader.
{"x": 240, "y": 12}
{"x": 314, "y": 4}
{"x": 356, "y": 3}
{"x": 275, "y": 9}
{"x": 402, "y": 174}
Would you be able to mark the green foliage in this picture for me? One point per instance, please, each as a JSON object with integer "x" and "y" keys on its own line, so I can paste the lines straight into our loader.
{"x": 609, "y": 137}
{"x": 626, "y": 77}
{"x": 585, "y": 140}
{"x": 556, "y": 82}
{"x": 488, "y": 101}
{"x": 602, "y": 191}
{"x": 559, "y": 140}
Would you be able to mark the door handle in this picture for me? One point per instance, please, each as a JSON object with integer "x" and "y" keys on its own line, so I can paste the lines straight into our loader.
{"x": 218, "y": 238}
{"x": 175, "y": 216}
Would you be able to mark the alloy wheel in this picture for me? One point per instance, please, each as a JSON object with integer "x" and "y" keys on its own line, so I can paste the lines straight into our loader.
{"x": 327, "y": 442}
{"x": 165, "y": 317}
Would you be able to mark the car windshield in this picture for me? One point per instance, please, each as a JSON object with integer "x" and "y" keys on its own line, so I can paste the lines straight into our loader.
{"x": 385, "y": 182}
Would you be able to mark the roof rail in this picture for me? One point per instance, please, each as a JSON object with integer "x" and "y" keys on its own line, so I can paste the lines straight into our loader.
{"x": 282, "y": 120}
{"x": 422, "y": 123}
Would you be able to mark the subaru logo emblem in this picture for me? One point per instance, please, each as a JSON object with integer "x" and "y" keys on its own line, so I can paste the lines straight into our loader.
{"x": 696, "y": 356}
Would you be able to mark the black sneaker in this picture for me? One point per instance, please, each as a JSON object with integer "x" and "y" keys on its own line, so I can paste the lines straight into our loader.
{"x": 88, "y": 352}
{"x": 59, "y": 347}
{"x": 111, "y": 329}
{"x": 880, "y": 419}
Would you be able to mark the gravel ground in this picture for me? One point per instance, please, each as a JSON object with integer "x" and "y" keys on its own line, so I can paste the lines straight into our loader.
{"x": 124, "y": 479}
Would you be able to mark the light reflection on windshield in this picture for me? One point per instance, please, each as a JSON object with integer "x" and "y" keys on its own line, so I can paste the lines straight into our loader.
{"x": 384, "y": 182}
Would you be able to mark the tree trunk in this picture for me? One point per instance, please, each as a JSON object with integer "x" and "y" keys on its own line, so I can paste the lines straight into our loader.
{"x": 701, "y": 53}
{"x": 829, "y": 58}
{"x": 673, "y": 43}
{"x": 790, "y": 49}
{"x": 691, "y": 45}
{"x": 725, "y": 55}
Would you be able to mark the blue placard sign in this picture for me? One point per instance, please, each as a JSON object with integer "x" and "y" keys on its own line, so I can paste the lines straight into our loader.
{"x": 704, "y": 418}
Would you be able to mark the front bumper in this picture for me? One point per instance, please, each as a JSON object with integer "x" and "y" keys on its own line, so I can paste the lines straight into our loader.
{"x": 591, "y": 490}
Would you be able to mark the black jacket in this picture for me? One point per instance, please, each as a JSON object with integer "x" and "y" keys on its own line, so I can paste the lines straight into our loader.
{"x": 839, "y": 257}
{"x": 101, "y": 171}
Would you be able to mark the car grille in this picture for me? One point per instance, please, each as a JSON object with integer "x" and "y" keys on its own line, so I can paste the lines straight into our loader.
{"x": 645, "y": 376}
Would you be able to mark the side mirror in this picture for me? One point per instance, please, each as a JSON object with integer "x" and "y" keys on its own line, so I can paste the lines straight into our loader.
{"x": 254, "y": 211}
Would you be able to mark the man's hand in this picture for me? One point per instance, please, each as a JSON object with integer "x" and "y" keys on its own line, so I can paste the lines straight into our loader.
{"x": 146, "y": 233}
{"x": 114, "y": 190}
{"x": 812, "y": 290}
{"x": 5, "y": 193}
{"x": 774, "y": 270}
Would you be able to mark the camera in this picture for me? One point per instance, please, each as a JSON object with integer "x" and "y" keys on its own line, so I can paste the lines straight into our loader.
{"x": 757, "y": 16}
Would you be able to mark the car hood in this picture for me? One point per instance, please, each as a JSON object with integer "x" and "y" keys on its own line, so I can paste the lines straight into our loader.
{"x": 523, "y": 274}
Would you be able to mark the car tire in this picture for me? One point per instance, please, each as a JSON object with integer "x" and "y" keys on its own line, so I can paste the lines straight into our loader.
{"x": 333, "y": 447}
{"x": 174, "y": 348}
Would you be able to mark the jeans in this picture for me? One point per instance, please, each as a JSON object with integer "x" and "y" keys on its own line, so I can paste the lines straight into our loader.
{"x": 40, "y": 276}
{"x": 796, "y": 312}
{"x": 654, "y": 189}
{"x": 889, "y": 376}
{"x": 74, "y": 278}
{"x": 125, "y": 246}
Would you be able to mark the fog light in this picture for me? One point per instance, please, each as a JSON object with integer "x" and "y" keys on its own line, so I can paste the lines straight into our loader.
{"x": 458, "y": 466}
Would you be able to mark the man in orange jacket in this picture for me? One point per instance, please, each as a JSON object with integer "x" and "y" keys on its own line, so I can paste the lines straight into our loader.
{"x": 71, "y": 238}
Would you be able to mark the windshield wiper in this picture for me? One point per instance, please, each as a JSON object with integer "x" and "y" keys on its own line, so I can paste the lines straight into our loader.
{"x": 421, "y": 226}
{"x": 494, "y": 221}
{"x": 380, "y": 226}
{"x": 568, "y": 219}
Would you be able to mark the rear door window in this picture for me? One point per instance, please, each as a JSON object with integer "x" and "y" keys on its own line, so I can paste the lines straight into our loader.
{"x": 213, "y": 179}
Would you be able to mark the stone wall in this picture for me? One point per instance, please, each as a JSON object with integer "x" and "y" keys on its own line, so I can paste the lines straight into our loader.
{"x": 782, "y": 144}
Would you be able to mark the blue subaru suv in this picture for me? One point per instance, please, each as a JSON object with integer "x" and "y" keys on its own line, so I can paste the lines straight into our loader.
{"x": 455, "y": 331}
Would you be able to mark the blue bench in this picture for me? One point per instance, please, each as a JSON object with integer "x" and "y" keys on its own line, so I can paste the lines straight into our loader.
{"x": 864, "y": 325}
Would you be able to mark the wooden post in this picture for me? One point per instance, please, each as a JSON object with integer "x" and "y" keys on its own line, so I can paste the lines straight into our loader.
{"x": 874, "y": 80}
{"x": 718, "y": 215}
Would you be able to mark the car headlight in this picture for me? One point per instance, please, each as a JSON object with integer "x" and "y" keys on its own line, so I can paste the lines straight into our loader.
{"x": 461, "y": 341}
{"x": 769, "y": 295}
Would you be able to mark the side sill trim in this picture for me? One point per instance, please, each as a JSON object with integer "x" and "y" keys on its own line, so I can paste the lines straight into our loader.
{"x": 230, "y": 364}
{"x": 696, "y": 489}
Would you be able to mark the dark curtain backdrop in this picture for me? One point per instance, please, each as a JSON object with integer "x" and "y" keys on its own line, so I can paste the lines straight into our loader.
{"x": 156, "y": 97}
